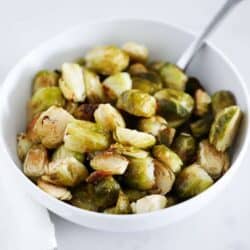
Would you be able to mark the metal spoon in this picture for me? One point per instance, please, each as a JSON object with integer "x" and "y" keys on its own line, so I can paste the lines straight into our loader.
{"x": 191, "y": 51}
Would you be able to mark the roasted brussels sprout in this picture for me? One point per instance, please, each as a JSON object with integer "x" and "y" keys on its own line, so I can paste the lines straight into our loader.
{"x": 44, "y": 98}
{"x": 107, "y": 60}
{"x": 51, "y": 125}
{"x": 67, "y": 172}
{"x": 115, "y": 85}
{"x": 129, "y": 151}
{"x": 72, "y": 82}
{"x": 152, "y": 125}
{"x": 201, "y": 127}
{"x": 213, "y": 161}
{"x": 83, "y": 136}
{"x": 185, "y": 146}
{"x": 137, "y": 68}
{"x": 225, "y": 127}
{"x": 110, "y": 162}
{"x": 85, "y": 111}
{"x": 148, "y": 82}
{"x": 166, "y": 136}
{"x": 35, "y": 161}
{"x": 31, "y": 133}
{"x": 122, "y": 205}
{"x": 134, "y": 194}
{"x": 133, "y": 138}
{"x": 137, "y": 52}
{"x": 174, "y": 101}
{"x": 137, "y": 103}
{"x": 164, "y": 178}
{"x": 106, "y": 192}
{"x": 84, "y": 197}
{"x": 191, "y": 181}
{"x": 62, "y": 152}
{"x": 109, "y": 117}
{"x": 222, "y": 99}
{"x": 202, "y": 102}
{"x": 23, "y": 145}
{"x": 140, "y": 174}
{"x": 60, "y": 193}
{"x": 94, "y": 89}
{"x": 173, "y": 77}
{"x": 45, "y": 78}
{"x": 149, "y": 203}
{"x": 168, "y": 157}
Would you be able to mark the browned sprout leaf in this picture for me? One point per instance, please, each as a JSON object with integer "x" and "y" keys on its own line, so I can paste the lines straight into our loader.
{"x": 23, "y": 145}
{"x": 110, "y": 162}
{"x": 97, "y": 176}
{"x": 72, "y": 82}
{"x": 60, "y": 193}
{"x": 133, "y": 138}
{"x": 129, "y": 151}
{"x": 164, "y": 178}
{"x": 116, "y": 84}
{"x": 225, "y": 127}
{"x": 35, "y": 161}
{"x": 94, "y": 88}
{"x": 202, "y": 102}
{"x": 51, "y": 125}
{"x": 213, "y": 161}
{"x": 45, "y": 78}
{"x": 152, "y": 125}
{"x": 137, "y": 68}
{"x": 67, "y": 172}
{"x": 168, "y": 157}
{"x": 149, "y": 203}
{"x": 166, "y": 136}
{"x": 137, "y": 52}
{"x": 44, "y": 98}
{"x": 109, "y": 117}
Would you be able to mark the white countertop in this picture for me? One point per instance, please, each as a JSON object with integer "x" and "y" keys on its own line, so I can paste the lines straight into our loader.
{"x": 225, "y": 223}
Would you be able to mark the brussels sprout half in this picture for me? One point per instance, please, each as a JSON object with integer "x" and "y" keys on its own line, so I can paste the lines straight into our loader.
{"x": 137, "y": 103}
{"x": 107, "y": 60}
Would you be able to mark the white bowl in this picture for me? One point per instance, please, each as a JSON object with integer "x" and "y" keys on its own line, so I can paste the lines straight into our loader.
{"x": 164, "y": 42}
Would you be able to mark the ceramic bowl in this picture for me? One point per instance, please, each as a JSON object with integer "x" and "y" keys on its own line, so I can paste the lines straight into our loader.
{"x": 165, "y": 42}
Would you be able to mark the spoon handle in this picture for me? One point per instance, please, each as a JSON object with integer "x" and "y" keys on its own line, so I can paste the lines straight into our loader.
{"x": 189, "y": 53}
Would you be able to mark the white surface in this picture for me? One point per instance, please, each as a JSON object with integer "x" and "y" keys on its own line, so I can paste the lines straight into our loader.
{"x": 222, "y": 225}
{"x": 24, "y": 223}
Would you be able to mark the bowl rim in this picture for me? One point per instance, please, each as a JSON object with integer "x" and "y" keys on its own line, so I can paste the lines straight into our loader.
{"x": 72, "y": 209}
